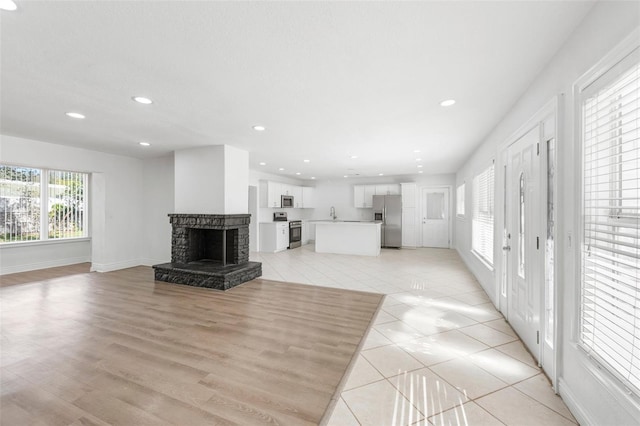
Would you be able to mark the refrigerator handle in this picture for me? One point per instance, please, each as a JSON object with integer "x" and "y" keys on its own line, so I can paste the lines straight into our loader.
{"x": 384, "y": 215}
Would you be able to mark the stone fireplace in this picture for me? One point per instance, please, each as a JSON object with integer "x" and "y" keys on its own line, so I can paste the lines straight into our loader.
{"x": 209, "y": 250}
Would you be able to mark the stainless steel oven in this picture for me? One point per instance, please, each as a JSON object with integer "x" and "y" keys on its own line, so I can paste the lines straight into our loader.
{"x": 295, "y": 233}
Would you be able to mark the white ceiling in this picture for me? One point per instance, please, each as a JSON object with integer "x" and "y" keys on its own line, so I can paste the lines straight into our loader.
{"x": 328, "y": 80}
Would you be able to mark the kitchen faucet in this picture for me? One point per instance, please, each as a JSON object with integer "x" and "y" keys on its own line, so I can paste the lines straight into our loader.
{"x": 332, "y": 213}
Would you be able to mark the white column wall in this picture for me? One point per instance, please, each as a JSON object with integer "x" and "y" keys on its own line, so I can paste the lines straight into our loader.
{"x": 158, "y": 202}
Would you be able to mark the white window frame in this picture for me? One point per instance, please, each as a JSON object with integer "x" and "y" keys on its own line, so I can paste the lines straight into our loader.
{"x": 44, "y": 208}
{"x": 599, "y": 368}
{"x": 460, "y": 200}
{"x": 489, "y": 262}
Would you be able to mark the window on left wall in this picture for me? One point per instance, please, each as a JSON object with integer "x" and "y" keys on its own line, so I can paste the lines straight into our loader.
{"x": 42, "y": 204}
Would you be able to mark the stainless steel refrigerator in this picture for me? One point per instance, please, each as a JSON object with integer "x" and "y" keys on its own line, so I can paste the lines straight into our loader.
{"x": 388, "y": 209}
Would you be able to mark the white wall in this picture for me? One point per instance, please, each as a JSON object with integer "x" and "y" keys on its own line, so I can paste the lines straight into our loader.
{"x": 211, "y": 180}
{"x": 593, "y": 397}
{"x": 236, "y": 180}
{"x": 115, "y": 217}
{"x": 199, "y": 180}
{"x": 158, "y": 202}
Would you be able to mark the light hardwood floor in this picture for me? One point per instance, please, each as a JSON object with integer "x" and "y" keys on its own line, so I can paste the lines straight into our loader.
{"x": 119, "y": 348}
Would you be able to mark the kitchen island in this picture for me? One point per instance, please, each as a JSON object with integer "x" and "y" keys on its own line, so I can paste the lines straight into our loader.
{"x": 348, "y": 237}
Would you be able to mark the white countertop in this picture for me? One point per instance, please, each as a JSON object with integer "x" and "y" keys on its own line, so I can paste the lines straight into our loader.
{"x": 345, "y": 222}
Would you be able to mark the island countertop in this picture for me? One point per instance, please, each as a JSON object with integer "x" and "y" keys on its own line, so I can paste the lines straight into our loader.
{"x": 348, "y": 237}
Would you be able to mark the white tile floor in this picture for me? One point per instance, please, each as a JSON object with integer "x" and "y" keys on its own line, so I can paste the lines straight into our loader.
{"x": 439, "y": 353}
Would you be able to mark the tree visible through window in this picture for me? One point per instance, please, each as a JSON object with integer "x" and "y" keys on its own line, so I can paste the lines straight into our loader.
{"x": 33, "y": 208}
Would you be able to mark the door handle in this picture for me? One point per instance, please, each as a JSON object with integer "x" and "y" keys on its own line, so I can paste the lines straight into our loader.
{"x": 506, "y": 248}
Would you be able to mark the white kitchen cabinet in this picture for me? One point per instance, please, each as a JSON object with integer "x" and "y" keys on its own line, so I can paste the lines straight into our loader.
{"x": 363, "y": 196}
{"x": 410, "y": 223}
{"x": 308, "y": 197}
{"x": 369, "y": 192}
{"x": 388, "y": 189}
{"x": 409, "y": 191}
{"x": 274, "y": 236}
{"x": 409, "y": 227}
{"x": 286, "y": 189}
{"x": 270, "y": 194}
{"x": 296, "y": 191}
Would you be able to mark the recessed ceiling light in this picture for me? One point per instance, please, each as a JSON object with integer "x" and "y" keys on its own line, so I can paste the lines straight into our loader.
{"x": 142, "y": 100}
{"x": 306, "y": 161}
{"x": 313, "y": 177}
{"x": 259, "y": 128}
{"x": 420, "y": 171}
{"x": 380, "y": 174}
{"x": 419, "y": 165}
{"x": 418, "y": 159}
{"x": 144, "y": 143}
{"x": 353, "y": 157}
{"x": 75, "y": 115}
{"x": 447, "y": 103}
{"x": 416, "y": 151}
{"x": 281, "y": 169}
{"x": 346, "y": 176}
{"x": 262, "y": 163}
{"x": 298, "y": 173}
{"x": 7, "y": 5}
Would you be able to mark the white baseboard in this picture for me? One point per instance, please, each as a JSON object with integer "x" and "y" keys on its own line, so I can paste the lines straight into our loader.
{"x": 114, "y": 266}
{"x": 151, "y": 262}
{"x": 574, "y": 406}
{"x": 43, "y": 265}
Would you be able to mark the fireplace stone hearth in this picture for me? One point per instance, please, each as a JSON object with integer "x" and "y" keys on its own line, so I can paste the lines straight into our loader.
{"x": 209, "y": 250}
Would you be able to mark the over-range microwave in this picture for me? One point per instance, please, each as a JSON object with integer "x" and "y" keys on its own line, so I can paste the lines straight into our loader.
{"x": 286, "y": 201}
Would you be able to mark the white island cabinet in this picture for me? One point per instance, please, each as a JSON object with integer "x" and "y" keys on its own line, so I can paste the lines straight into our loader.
{"x": 344, "y": 237}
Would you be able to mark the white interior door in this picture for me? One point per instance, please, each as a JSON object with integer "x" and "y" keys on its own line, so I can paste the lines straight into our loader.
{"x": 523, "y": 221}
{"x": 435, "y": 217}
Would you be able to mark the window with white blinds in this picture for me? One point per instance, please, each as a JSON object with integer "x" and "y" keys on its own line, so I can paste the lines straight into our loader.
{"x": 460, "y": 200}
{"x": 482, "y": 224}
{"x": 610, "y": 289}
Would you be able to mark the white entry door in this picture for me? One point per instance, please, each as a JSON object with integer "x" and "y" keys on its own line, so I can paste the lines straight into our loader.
{"x": 524, "y": 269}
{"x": 435, "y": 217}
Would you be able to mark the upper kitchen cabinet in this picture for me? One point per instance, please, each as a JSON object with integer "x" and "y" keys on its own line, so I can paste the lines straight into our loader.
{"x": 363, "y": 194}
{"x": 409, "y": 191}
{"x": 271, "y": 193}
{"x": 296, "y": 191}
{"x": 390, "y": 189}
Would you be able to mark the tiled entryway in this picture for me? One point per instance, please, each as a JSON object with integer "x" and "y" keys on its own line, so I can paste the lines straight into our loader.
{"x": 439, "y": 353}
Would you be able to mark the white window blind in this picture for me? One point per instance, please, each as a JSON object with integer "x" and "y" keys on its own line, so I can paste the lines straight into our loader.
{"x": 460, "y": 200}
{"x": 66, "y": 204}
{"x": 610, "y": 289}
{"x": 482, "y": 225}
